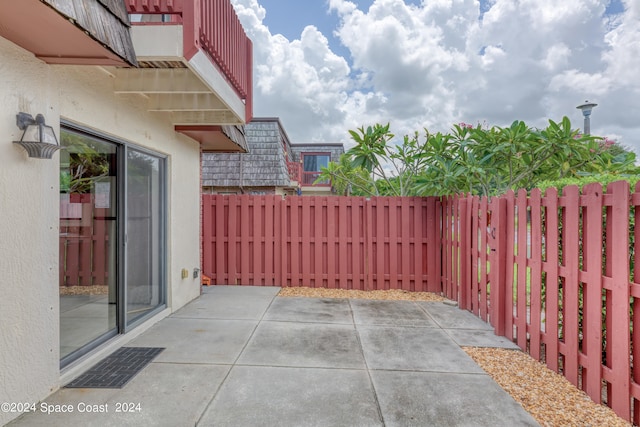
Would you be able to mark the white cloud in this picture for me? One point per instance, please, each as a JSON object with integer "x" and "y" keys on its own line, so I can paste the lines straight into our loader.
{"x": 446, "y": 61}
{"x": 557, "y": 57}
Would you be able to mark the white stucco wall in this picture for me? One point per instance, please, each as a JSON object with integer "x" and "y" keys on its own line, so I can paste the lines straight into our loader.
{"x": 29, "y": 208}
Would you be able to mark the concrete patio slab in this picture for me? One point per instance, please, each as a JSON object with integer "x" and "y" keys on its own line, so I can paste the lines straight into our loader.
{"x": 452, "y": 317}
{"x": 311, "y": 345}
{"x": 317, "y": 310}
{"x": 179, "y": 394}
{"x": 445, "y": 399}
{"x": 302, "y": 367}
{"x": 413, "y": 349}
{"x": 162, "y": 395}
{"x": 392, "y": 313}
{"x": 197, "y": 340}
{"x": 266, "y": 396}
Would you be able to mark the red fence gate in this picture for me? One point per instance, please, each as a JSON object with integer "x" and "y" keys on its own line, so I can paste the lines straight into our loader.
{"x": 332, "y": 242}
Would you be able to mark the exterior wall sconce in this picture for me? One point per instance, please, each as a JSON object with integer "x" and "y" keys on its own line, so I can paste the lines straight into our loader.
{"x": 38, "y": 139}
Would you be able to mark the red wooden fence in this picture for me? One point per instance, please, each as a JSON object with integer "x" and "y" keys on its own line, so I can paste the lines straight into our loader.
{"x": 559, "y": 276}
{"x": 332, "y": 242}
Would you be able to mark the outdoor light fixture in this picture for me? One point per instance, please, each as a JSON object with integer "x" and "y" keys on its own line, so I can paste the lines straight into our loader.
{"x": 38, "y": 139}
{"x": 586, "y": 112}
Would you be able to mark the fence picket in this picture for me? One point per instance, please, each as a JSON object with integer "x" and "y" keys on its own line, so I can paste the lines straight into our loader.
{"x": 509, "y": 260}
{"x": 521, "y": 270}
{"x": 246, "y": 223}
{"x": 535, "y": 265}
{"x": 618, "y": 334}
{"x": 592, "y": 289}
{"x": 331, "y": 253}
{"x": 635, "y": 292}
{"x": 344, "y": 240}
{"x": 570, "y": 267}
{"x": 550, "y": 267}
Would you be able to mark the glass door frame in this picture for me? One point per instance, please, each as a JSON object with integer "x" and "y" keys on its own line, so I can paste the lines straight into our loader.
{"x": 123, "y": 323}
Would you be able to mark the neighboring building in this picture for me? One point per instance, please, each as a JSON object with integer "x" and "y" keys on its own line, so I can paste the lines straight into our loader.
{"x": 103, "y": 240}
{"x": 264, "y": 169}
{"x": 272, "y": 165}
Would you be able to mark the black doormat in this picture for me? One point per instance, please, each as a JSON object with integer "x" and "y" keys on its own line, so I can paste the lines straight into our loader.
{"x": 117, "y": 369}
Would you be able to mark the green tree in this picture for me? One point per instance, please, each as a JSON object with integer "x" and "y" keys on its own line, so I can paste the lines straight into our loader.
{"x": 491, "y": 161}
{"x": 392, "y": 168}
{"x": 475, "y": 160}
{"x": 347, "y": 179}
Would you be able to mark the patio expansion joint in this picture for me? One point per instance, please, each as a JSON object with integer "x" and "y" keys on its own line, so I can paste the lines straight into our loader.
{"x": 168, "y": 362}
{"x": 423, "y": 371}
{"x": 224, "y": 380}
{"x": 435, "y": 321}
{"x": 308, "y": 322}
{"x": 326, "y": 368}
{"x": 364, "y": 359}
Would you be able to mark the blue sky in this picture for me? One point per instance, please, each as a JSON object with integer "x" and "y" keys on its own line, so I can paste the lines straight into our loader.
{"x": 327, "y": 66}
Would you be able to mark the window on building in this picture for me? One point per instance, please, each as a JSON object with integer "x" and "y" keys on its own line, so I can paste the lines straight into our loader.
{"x": 311, "y": 167}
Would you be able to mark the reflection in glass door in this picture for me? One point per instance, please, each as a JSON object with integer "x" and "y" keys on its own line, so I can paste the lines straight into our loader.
{"x": 145, "y": 237}
{"x": 88, "y": 237}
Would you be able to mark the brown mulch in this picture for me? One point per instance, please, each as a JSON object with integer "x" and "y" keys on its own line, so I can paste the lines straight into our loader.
{"x": 392, "y": 294}
{"x": 547, "y": 396}
{"x": 84, "y": 290}
{"x": 550, "y": 399}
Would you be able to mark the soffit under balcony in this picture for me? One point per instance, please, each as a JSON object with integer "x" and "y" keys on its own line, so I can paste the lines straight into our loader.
{"x": 82, "y": 32}
{"x": 217, "y": 139}
{"x": 196, "y": 110}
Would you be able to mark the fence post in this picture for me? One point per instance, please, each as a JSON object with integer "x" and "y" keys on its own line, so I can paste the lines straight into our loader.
{"x": 498, "y": 243}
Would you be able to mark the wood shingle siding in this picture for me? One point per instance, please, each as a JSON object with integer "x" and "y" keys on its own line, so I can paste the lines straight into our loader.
{"x": 263, "y": 166}
{"x": 106, "y": 21}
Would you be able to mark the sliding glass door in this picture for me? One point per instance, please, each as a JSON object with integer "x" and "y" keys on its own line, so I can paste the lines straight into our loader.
{"x": 112, "y": 239}
{"x": 145, "y": 234}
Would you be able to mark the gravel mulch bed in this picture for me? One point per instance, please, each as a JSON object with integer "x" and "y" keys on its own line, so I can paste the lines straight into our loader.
{"x": 547, "y": 396}
{"x": 393, "y": 294}
{"x": 84, "y": 290}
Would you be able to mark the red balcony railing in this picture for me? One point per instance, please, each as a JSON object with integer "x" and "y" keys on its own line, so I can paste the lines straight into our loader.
{"x": 295, "y": 171}
{"x": 213, "y": 27}
{"x": 309, "y": 178}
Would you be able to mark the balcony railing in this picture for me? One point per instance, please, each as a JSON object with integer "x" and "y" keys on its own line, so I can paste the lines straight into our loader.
{"x": 309, "y": 179}
{"x": 213, "y": 27}
{"x": 295, "y": 171}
